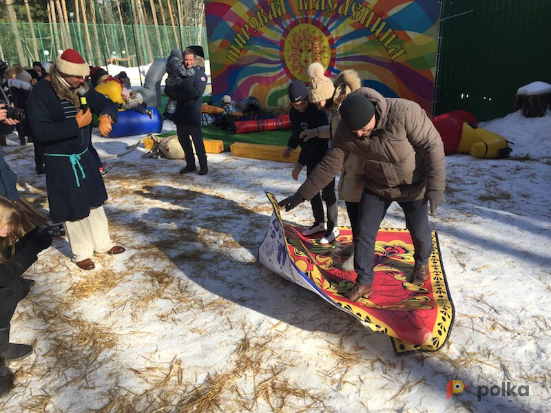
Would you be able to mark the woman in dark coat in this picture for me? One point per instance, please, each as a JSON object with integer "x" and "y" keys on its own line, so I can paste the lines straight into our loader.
{"x": 76, "y": 191}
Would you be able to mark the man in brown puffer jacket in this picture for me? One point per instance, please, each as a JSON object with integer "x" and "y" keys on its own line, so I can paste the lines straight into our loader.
{"x": 403, "y": 158}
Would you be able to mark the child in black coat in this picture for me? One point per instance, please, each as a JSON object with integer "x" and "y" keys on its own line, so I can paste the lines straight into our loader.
{"x": 304, "y": 116}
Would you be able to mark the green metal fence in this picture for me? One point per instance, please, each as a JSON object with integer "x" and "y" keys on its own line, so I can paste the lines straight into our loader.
{"x": 490, "y": 48}
{"x": 107, "y": 42}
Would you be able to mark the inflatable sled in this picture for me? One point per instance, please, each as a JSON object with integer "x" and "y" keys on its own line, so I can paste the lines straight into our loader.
{"x": 134, "y": 123}
{"x": 460, "y": 134}
{"x": 416, "y": 318}
{"x": 260, "y": 125}
{"x": 130, "y": 122}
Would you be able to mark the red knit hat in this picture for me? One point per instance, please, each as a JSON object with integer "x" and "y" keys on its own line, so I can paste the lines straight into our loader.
{"x": 70, "y": 62}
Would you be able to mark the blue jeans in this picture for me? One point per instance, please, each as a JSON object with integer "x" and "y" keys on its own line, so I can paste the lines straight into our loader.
{"x": 370, "y": 215}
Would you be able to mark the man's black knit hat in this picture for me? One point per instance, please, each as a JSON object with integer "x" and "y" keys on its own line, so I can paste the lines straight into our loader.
{"x": 356, "y": 111}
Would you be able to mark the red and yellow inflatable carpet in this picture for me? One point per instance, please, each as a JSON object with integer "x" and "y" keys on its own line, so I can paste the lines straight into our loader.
{"x": 415, "y": 318}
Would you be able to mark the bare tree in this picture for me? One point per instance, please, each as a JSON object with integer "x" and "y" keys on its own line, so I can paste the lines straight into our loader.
{"x": 65, "y": 38}
{"x": 156, "y": 23}
{"x": 96, "y": 34}
{"x": 194, "y": 16}
{"x": 66, "y": 24}
{"x": 171, "y": 14}
{"x": 13, "y": 21}
{"x": 102, "y": 13}
{"x": 123, "y": 32}
{"x": 86, "y": 30}
{"x": 180, "y": 17}
{"x": 162, "y": 10}
{"x": 53, "y": 30}
{"x": 144, "y": 38}
{"x": 31, "y": 27}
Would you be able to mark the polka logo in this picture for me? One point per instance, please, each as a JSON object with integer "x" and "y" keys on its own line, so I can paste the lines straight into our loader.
{"x": 454, "y": 386}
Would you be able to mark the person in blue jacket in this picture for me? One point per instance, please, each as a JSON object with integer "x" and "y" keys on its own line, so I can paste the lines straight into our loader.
{"x": 188, "y": 115}
{"x": 76, "y": 192}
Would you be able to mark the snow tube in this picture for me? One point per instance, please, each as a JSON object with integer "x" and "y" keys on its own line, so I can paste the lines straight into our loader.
{"x": 261, "y": 125}
{"x": 132, "y": 123}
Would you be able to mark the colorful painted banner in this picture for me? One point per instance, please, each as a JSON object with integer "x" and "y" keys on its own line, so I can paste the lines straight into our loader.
{"x": 257, "y": 47}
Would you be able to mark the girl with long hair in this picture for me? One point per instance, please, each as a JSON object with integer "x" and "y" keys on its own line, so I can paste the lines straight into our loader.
{"x": 17, "y": 253}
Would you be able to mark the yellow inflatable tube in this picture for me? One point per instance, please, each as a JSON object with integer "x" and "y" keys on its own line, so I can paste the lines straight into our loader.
{"x": 111, "y": 89}
{"x": 482, "y": 143}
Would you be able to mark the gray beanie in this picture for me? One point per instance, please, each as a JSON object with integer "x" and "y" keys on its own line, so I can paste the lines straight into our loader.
{"x": 22, "y": 74}
{"x": 356, "y": 111}
{"x": 177, "y": 53}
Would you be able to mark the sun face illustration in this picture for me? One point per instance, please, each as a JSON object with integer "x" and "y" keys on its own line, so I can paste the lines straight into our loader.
{"x": 305, "y": 44}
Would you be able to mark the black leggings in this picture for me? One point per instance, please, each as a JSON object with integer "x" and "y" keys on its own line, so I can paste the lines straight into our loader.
{"x": 8, "y": 302}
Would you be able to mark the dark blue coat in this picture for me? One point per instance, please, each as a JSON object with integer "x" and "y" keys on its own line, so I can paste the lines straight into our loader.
{"x": 8, "y": 180}
{"x": 11, "y": 271}
{"x": 313, "y": 150}
{"x": 190, "y": 94}
{"x": 72, "y": 188}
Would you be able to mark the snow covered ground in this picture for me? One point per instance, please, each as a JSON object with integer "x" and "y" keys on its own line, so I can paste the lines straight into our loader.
{"x": 188, "y": 320}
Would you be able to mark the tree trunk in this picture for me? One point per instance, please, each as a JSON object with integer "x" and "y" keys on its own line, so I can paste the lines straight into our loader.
{"x": 78, "y": 33}
{"x": 143, "y": 30}
{"x": 66, "y": 24}
{"x": 55, "y": 36}
{"x": 31, "y": 27}
{"x": 13, "y": 21}
{"x": 65, "y": 40}
{"x": 180, "y": 23}
{"x": 96, "y": 35}
{"x": 184, "y": 21}
{"x": 171, "y": 14}
{"x": 124, "y": 34}
{"x": 156, "y": 23}
{"x": 88, "y": 40}
{"x": 162, "y": 10}
{"x": 106, "y": 41}
{"x": 199, "y": 21}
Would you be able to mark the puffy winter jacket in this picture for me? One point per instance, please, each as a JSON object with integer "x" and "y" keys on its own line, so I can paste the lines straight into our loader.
{"x": 403, "y": 157}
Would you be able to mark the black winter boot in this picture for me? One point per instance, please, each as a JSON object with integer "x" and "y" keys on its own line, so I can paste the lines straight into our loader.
{"x": 190, "y": 167}
{"x": 11, "y": 351}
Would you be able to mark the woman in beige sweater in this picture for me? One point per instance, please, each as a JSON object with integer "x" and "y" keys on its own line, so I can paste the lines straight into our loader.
{"x": 328, "y": 95}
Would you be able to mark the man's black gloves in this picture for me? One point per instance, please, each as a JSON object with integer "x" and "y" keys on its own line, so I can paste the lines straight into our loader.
{"x": 41, "y": 238}
{"x": 291, "y": 202}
